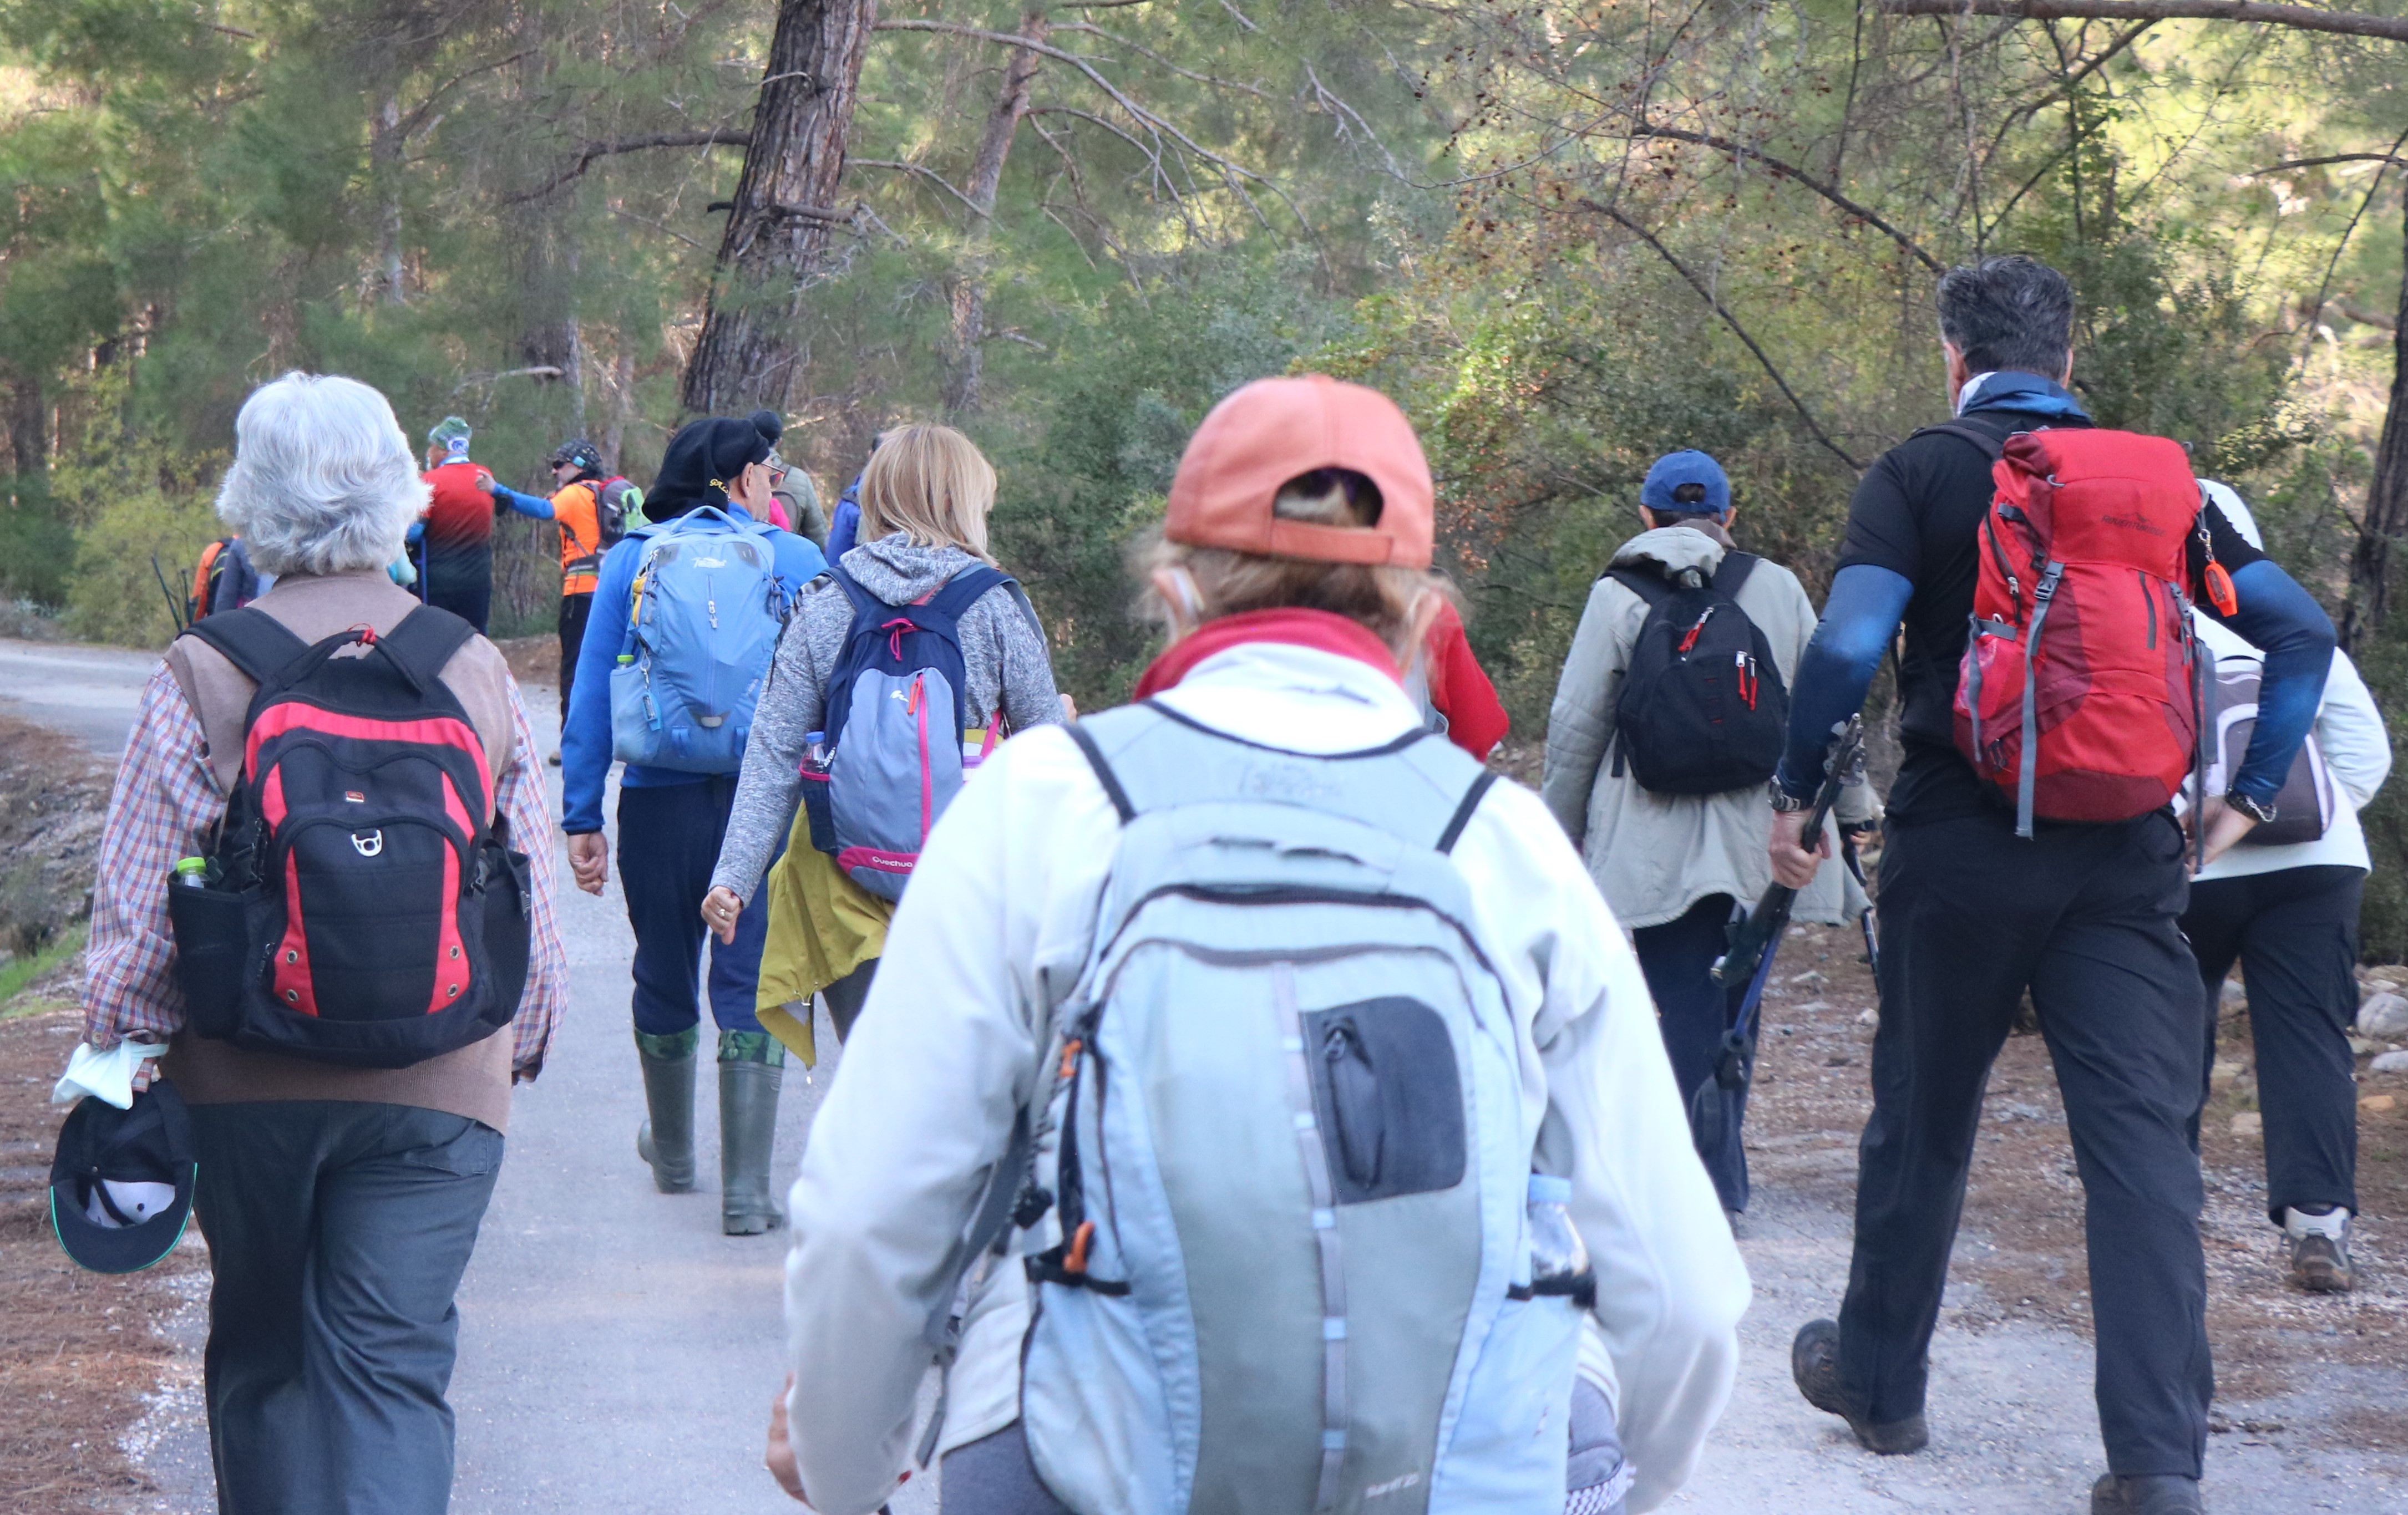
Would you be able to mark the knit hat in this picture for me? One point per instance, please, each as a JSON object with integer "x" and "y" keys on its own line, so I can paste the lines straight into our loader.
{"x": 449, "y": 437}
{"x": 1273, "y": 430}
{"x": 704, "y": 456}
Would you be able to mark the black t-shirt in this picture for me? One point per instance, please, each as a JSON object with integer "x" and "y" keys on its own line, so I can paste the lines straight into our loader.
{"x": 1919, "y": 513}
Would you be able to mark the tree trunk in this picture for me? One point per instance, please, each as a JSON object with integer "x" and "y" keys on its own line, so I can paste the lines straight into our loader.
{"x": 2386, "y": 497}
{"x": 29, "y": 436}
{"x": 783, "y": 210}
{"x": 968, "y": 336}
{"x": 547, "y": 328}
{"x": 385, "y": 146}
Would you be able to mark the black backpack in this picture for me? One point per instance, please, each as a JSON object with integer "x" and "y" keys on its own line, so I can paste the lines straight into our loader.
{"x": 1703, "y": 709}
{"x": 358, "y": 907}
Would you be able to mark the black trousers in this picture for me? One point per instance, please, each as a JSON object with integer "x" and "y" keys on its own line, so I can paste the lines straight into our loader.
{"x": 337, "y": 1234}
{"x": 2084, "y": 916}
{"x": 575, "y": 611}
{"x": 2295, "y": 934}
{"x": 1692, "y": 1012}
{"x": 460, "y": 581}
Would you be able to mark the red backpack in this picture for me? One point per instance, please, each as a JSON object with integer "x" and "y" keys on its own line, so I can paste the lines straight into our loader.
{"x": 2079, "y": 693}
{"x": 364, "y": 905}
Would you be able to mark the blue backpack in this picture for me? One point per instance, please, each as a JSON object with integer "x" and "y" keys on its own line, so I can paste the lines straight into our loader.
{"x": 894, "y": 751}
{"x": 703, "y": 627}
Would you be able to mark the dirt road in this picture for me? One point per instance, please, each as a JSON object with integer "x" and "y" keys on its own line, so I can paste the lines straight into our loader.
{"x": 617, "y": 1353}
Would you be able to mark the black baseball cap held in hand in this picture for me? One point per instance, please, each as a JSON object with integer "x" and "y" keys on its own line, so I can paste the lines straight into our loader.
{"x": 121, "y": 1182}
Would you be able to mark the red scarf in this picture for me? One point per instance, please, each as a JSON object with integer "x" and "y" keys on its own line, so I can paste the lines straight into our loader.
{"x": 1317, "y": 629}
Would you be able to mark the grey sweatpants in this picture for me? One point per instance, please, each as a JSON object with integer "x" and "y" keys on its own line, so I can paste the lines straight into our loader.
{"x": 337, "y": 1234}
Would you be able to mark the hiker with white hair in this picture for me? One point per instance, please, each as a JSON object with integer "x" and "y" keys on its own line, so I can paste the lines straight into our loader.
{"x": 334, "y": 785}
{"x": 2284, "y": 905}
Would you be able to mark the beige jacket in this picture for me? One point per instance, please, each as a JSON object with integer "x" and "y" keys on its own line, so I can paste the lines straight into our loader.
{"x": 1655, "y": 855}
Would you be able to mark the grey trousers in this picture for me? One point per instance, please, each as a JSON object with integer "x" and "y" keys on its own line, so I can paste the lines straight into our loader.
{"x": 337, "y": 1234}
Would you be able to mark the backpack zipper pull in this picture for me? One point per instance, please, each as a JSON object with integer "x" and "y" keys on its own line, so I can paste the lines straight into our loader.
{"x": 1690, "y": 640}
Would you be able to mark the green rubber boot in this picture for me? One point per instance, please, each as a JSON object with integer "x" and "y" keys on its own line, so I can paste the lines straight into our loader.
{"x": 751, "y": 1064}
{"x": 665, "y": 1140}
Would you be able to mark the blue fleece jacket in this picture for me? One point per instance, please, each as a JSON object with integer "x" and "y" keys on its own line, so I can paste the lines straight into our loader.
{"x": 585, "y": 735}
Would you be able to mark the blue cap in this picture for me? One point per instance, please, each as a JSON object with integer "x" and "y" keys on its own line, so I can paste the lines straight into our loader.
{"x": 1674, "y": 469}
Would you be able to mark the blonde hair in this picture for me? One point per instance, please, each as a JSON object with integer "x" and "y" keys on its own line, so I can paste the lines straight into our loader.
{"x": 932, "y": 484}
{"x": 1379, "y": 597}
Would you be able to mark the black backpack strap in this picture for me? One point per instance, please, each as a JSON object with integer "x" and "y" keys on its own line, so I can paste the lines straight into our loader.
{"x": 1736, "y": 567}
{"x": 253, "y": 640}
{"x": 1993, "y": 448}
{"x": 1649, "y": 586}
{"x": 1462, "y": 817}
{"x": 1104, "y": 775}
{"x": 424, "y": 642}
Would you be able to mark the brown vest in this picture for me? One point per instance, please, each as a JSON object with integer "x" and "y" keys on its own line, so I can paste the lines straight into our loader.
{"x": 474, "y": 1081}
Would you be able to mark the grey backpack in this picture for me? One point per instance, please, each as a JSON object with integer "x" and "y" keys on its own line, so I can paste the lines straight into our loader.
{"x": 1276, "y": 1227}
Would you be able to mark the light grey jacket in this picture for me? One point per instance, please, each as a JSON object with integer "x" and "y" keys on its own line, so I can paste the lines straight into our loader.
{"x": 1655, "y": 855}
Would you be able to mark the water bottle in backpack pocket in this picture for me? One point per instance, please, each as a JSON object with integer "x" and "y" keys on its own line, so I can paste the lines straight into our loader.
{"x": 893, "y": 754}
{"x": 1277, "y": 1226}
{"x": 702, "y": 629}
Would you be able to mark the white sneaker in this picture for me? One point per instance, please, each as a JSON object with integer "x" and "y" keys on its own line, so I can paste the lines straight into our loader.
{"x": 2319, "y": 1250}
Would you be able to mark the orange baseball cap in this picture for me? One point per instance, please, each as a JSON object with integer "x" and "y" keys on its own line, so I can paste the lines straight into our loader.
{"x": 1274, "y": 429}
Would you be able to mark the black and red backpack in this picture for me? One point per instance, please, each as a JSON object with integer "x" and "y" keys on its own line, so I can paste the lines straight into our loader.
{"x": 362, "y": 905}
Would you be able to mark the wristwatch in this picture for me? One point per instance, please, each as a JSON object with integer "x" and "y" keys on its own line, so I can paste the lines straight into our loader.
{"x": 2259, "y": 810}
{"x": 1784, "y": 801}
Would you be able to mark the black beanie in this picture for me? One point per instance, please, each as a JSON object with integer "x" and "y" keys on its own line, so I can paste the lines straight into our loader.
{"x": 704, "y": 456}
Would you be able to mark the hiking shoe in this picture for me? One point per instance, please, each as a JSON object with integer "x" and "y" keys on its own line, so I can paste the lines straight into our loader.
{"x": 1814, "y": 1362}
{"x": 2155, "y": 1493}
{"x": 2319, "y": 1250}
{"x": 553, "y": 760}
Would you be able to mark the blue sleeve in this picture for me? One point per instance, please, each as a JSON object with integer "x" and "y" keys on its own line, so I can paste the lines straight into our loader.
{"x": 585, "y": 735}
{"x": 845, "y": 526}
{"x": 1858, "y": 621}
{"x": 799, "y": 561}
{"x": 2297, "y": 637}
{"x": 526, "y": 505}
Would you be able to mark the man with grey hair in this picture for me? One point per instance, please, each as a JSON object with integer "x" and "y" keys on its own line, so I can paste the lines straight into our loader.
{"x": 1976, "y": 908}
{"x": 340, "y": 1203}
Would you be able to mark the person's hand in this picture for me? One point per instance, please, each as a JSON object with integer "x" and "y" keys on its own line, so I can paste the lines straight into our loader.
{"x": 1069, "y": 709}
{"x": 144, "y": 1073}
{"x": 1793, "y": 865}
{"x": 2224, "y": 826}
{"x": 589, "y": 857}
{"x": 780, "y": 1458}
{"x": 720, "y": 910}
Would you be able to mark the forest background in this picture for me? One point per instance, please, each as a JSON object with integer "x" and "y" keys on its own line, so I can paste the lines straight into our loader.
{"x": 1568, "y": 235}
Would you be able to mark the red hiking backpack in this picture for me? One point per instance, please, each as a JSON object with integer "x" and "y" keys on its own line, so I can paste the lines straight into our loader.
{"x": 2079, "y": 693}
{"x": 362, "y": 905}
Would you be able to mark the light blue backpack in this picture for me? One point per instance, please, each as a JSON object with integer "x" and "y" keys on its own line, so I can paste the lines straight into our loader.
{"x": 701, "y": 630}
{"x": 1276, "y": 1222}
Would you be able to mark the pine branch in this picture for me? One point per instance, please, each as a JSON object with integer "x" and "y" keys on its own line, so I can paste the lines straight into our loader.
{"x": 588, "y": 151}
{"x": 1706, "y": 293}
{"x": 1791, "y": 171}
{"x": 920, "y": 170}
{"x": 2301, "y": 17}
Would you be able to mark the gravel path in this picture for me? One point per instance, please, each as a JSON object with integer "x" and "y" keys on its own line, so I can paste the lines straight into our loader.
{"x": 618, "y": 1353}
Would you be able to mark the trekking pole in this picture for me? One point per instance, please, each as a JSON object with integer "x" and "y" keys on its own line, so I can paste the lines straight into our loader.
{"x": 1754, "y": 936}
{"x": 174, "y": 606}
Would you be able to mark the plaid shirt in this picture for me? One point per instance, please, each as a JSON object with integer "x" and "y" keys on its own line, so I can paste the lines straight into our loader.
{"x": 167, "y": 806}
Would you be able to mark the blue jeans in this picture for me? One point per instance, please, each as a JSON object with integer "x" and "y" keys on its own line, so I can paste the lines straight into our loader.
{"x": 668, "y": 843}
{"x": 338, "y": 1231}
{"x": 1692, "y": 1012}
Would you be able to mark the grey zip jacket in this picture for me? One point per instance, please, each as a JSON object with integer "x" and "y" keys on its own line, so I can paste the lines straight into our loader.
{"x": 1654, "y": 855}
